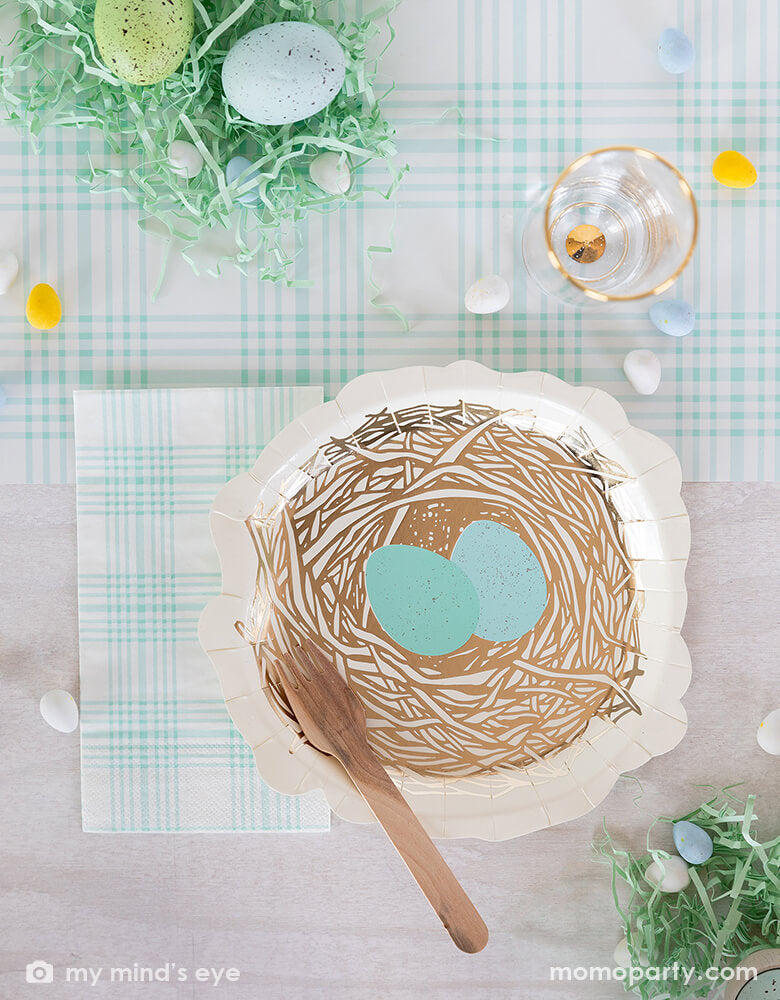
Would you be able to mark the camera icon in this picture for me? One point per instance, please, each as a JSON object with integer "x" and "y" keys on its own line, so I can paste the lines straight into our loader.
{"x": 39, "y": 972}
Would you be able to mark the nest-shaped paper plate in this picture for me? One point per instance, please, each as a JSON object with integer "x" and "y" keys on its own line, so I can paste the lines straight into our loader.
{"x": 560, "y": 522}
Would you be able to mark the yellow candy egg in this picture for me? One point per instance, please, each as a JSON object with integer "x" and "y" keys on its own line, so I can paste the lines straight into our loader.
{"x": 44, "y": 310}
{"x": 734, "y": 170}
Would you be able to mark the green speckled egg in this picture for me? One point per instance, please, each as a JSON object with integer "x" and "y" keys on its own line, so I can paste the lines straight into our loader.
{"x": 143, "y": 41}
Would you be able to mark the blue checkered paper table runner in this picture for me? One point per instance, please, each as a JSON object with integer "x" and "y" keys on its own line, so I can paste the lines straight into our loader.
{"x": 158, "y": 749}
{"x": 547, "y": 79}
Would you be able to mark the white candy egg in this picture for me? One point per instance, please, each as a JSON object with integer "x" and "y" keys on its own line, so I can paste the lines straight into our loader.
{"x": 768, "y": 734}
{"x": 60, "y": 710}
{"x": 184, "y": 158}
{"x": 487, "y": 295}
{"x": 9, "y": 268}
{"x": 330, "y": 173}
{"x": 675, "y": 876}
{"x": 283, "y": 72}
{"x": 622, "y": 955}
{"x": 643, "y": 371}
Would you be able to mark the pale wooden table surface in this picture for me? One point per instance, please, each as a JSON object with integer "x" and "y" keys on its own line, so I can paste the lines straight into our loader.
{"x": 335, "y": 915}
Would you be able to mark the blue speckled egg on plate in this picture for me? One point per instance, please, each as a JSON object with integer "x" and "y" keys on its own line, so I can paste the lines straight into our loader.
{"x": 283, "y": 72}
{"x": 673, "y": 316}
{"x": 675, "y": 51}
{"x": 692, "y": 843}
{"x": 507, "y": 577}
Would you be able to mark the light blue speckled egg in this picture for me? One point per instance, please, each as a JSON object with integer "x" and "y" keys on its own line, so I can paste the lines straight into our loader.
{"x": 507, "y": 577}
{"x": 283, "y": 72}
{"x": 673, "y": 316}
{"x": 675, "y": 51}
{"x": 692, "y": 843}
{"x": 233, "y": 171}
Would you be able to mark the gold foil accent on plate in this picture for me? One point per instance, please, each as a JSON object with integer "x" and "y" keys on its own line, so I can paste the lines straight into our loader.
{"x": 419, "y": 476}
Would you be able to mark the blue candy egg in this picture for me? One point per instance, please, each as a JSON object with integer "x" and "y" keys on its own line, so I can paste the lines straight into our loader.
{"x": 233, "y": 171}
{"x": 673, "y": 316}
{"x": 675, "y": 51}
{"x": 692, "y": 843}
{"x": 423, "y": 601}
{"x": 507, "y": 577}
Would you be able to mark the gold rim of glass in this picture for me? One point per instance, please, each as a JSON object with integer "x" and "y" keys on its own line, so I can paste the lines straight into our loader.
{"x": 604, "y": 296}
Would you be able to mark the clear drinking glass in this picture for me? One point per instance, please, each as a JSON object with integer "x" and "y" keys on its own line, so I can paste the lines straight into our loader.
{"x": 619, "y": 224}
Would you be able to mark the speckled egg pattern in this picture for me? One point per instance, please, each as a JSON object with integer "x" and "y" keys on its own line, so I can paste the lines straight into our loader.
{"x": 283, "y": 73}
{"x": 144, "y": 41}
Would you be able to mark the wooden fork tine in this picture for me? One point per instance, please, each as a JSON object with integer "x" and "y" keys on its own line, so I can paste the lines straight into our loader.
{"x": 296, "y": 687}
{"x": 292, "y": 692}
{"x": 301, "y": 667}
{"x": 289, "y": 673}
{"x": 303, "y": 664}
{"x": 316, "y": 656}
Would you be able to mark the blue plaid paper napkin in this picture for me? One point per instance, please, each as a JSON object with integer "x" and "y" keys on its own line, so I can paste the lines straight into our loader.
{"x": 158, "y": 749}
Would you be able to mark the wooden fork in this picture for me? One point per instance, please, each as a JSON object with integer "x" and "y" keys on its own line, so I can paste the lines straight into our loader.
{"x": 333, "y": 720}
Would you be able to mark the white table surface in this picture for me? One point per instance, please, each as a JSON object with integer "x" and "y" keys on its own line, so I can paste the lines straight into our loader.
{"x": 310, "y": 916}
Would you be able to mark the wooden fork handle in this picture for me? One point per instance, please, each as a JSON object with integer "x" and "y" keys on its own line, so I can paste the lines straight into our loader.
{"x": 421, "y": 856}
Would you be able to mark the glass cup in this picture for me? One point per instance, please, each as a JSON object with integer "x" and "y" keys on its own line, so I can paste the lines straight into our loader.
{"x": 619, "y": 224}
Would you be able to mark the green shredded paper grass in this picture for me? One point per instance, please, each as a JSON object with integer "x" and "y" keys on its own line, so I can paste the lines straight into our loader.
{"x": 55, "y": 77}
{"x": 731, "y": 908}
